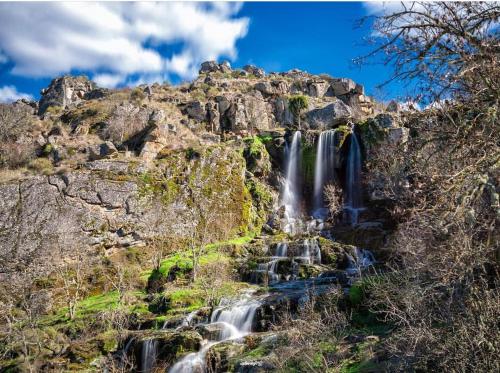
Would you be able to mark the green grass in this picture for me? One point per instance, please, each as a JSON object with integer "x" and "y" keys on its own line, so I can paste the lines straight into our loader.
{"x": 90, "y": 306}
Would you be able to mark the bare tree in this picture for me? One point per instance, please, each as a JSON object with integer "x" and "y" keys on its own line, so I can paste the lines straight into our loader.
{"x": 446, "y": 47}
{"x": 72, "y": 276}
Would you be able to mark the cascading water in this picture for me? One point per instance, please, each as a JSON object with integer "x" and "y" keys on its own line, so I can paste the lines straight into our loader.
{"x": 235, "y": 321}
{"x": 310, "y": 253}
{"x": 269, "y": 268}
{"x": 148, "y": 355}
{"x": 359, "y": 260}
{"x": 324, "y": 171}
{"x": 353, "y": 203}
{"x": 291, "y": 192}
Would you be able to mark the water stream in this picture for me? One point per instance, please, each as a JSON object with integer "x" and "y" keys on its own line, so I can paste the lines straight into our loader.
{"x": 234, "y": 320}
{"x": 324, "y": 171}
{"x": 291, "y": 191}
{"x": 353, "y": 198}
{"x": 148, "y": 355}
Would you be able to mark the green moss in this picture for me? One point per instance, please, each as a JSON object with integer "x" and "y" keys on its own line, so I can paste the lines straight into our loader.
{"x": 371, "y": 133}
{"x": 308, "y": 163}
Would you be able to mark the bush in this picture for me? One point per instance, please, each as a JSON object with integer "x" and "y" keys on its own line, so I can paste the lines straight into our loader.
{"x": 297, "y": 104}
{"x": 41, "y": 165}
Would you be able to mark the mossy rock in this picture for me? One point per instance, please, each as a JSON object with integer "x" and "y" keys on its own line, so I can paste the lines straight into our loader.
{"x": 309, "y": 270}
{"x": 256, "y": 156}
{"x": 333, "y": 253}
{"x": 170, "y": 345}
{"x": 218, "y": 356}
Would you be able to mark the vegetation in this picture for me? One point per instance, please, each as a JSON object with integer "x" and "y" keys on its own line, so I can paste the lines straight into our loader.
{"x": 297, "y": 104}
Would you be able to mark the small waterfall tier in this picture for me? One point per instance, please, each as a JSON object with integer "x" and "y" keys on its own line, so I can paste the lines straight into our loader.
{"x": 234, "y": 319}
{"x": 291, "y": 196}
{"x": 353, "y": 193}
{"x": 324, "y": 171}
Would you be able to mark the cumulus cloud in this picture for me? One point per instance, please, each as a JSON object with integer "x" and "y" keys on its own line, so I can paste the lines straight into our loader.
{"x": 9, "y": 93}
{"x": 116, "y": 40}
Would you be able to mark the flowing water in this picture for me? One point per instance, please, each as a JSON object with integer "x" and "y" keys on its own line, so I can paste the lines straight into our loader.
{"x": 324, "y": 171}
{"x": 148, "y": 355}
{"x": 291, "y": 192}
{"x": 359, "y": 260}
{"x": 353, "y": 204}
{"x": 235, "y": 320}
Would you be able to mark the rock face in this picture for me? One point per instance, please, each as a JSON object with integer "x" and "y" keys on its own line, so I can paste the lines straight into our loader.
{"x": 329, "y": 116}
{"x": 117, "y": 204}
{"x": 64, "y": 91}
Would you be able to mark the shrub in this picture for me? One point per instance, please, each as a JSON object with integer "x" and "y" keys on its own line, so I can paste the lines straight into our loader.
{"x": 297, "y": 104}
{"x": 41, "y": 165}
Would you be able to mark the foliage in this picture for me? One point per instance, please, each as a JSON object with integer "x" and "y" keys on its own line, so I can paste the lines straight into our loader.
{"x": 297, "y": 104}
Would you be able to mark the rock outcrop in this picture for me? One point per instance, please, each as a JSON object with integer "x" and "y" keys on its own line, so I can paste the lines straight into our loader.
{"x": 64, "y": 92}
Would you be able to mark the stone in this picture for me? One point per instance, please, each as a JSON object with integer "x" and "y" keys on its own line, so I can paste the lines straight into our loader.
{"x": 196, "y": 110}
{"x": 328, "y": 116}
{"x": 282, "y": 112}
{"x": 225, "y": 67}
{"x": 255, "y": 71}
{"x": 100, "y": 151}
{"x": 209, "y": 67}
{"x": 317, "y": 88}
{"x": 213, "y": 116}
{"x": 64, "y": 91}
{"x": 264, "y": 87}
{"x": 386, "y": 120}
{"x": 342, "y": 86}
{"x": 97, "y": 93}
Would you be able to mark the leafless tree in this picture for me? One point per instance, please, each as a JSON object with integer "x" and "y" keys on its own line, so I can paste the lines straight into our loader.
{"x": 448, "y": 48}
{"x": 442, "y": 292}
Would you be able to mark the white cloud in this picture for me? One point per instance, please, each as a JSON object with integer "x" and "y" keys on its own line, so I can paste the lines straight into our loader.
{"x": 9, "y": 93}
{"x": 116, "y": 40}
{"x": 3, "y": 58}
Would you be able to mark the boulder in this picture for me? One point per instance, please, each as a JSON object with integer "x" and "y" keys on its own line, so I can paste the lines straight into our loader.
{"x": 329, "y": 116}
{"x": 342, "y": 86}
{"x": 196, "y": 110}
{"x": 100, "y": 151}
{"x": 265, "y": 88}
{"x": 64, "y": 91}
{"x": 254, "y": 70}
{"x": 209, "y": 67}
{"x": 317, "y": 88}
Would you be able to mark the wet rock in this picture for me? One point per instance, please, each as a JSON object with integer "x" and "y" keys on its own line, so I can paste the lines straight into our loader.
{"x": 218, "y": 356}
{"x": 167, "y": 345}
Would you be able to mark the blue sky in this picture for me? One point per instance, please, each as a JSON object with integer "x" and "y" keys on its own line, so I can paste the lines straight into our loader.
{"x": 126, "y": 44}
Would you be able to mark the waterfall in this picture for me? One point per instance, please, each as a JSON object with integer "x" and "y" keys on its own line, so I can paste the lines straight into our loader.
{"x": 235, "y": 321}
{"x": 282, "y": 249}
{"x": 291, "y": 192}
{"x": 310, "y": 253}
{"x": 361, "y": 259}
{"x": 353, "y": 202}
{"x": 324, "y": 171}
{"x": 148, "y": 355}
